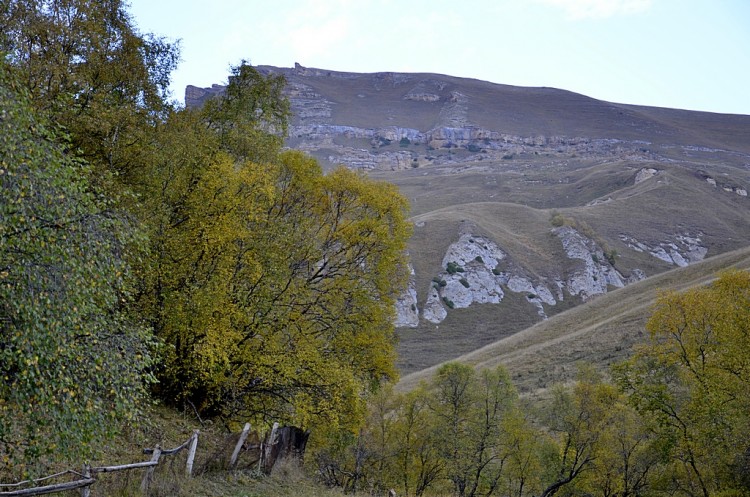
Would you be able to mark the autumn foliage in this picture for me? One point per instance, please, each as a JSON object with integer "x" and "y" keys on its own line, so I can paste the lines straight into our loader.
{"x": 146, "y": 246}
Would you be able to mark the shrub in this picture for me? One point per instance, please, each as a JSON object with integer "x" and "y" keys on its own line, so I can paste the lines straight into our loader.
{"x": 449, "y": 302}
{"x": 479, "y": 259}
{"x": 404, "y": 142}
{"x": 496, "y": 271}
{"x": 464, "y": 282}
{"x": 453, "y": 268}
{"x": 557, "y": 219}
{"x": 611, "y": 256}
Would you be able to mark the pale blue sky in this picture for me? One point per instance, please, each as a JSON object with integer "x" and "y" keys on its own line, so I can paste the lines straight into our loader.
{"x": 688, "y": 54}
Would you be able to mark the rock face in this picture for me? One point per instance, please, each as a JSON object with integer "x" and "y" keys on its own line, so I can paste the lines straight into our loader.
{"x": 317, "y": 129}
{"x": 645, "y": 173}
{"x": 407, "y": 313}
{"x": 681, "y": 250}
{"x": 471, "y": 276}
{"x": 468, "y": 277}
{"x": 596, "y": 274}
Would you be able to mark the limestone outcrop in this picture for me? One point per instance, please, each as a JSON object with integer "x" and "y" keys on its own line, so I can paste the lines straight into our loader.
{"x": 471, "y": 275}
{"x": 682, "y": 249}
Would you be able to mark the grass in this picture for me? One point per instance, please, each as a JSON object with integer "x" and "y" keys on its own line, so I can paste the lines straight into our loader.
{"x": 211, "y": 477}
{"x": 450, "y": 203}
{"x": 601, "y": 331}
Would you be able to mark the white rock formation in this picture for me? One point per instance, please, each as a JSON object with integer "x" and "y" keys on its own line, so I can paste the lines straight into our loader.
{"x": 683, "y": 250}
{"x": 434, "y": 311}
{"x": 645, "y": 173}
{"x": 471, "y": 275}
{"x": 596, "y": 274}
{"x": 407, "y": 313}
{"x": 474, "y": 279}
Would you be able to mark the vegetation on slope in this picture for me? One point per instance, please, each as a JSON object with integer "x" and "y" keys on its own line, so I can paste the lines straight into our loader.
{"x": 673, "y": 422}
{"x": 152, "y": 242}
{"x": 147, "y": 249}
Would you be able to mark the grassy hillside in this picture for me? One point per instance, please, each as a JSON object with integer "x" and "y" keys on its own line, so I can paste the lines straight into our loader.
{"x": 539, "y": 152}
{"x": 377, "y": 100}
{"x": 601, "y": 331}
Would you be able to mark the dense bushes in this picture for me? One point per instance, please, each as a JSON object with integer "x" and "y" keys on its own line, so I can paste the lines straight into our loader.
{"x": 675, "y": 421}
{"x": 73, "y": 359}
{"x": 269, "y": 286}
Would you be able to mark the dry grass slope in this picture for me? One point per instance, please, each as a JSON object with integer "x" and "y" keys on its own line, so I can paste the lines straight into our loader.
{"x": 600, "y": 332}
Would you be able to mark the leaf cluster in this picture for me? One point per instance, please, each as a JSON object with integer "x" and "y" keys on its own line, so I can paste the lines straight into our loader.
{"x": 72, "y": 359}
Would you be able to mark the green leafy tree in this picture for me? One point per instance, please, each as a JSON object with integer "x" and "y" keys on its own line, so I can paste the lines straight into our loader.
{"x": 474, "y": 412}
{"x": 273, "y": 284}
{"x": 86, "y": 66}
{"x": 577, "y": 419}
{"x": 624, "y": 454}
{"x": 72, "y": 361}
{"x": 251, "y": 117}
{"x": 692, "y": 381}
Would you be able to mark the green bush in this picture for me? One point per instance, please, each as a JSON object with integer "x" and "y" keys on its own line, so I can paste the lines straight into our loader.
{"x": 479, "y": 259}
{"x": 404, "y": 142}
{"x": 464, "y": 282}
{"x": 611, "y": 256}
{"x": 453, "y": 268}
{"x": 556, "y": 219}
{"x": 449, "y": 302}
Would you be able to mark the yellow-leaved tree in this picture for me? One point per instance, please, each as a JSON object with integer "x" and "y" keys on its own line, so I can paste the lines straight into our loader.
{"x": 272, "y": 284}
{"x": 692, "y": 381}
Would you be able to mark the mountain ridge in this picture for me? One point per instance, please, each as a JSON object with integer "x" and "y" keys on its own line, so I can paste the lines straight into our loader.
{"x": 571, "y": 197}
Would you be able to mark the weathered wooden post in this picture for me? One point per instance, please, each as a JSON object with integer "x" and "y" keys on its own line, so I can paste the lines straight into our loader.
{"x": 150, "y": 471}
{"x": 267, "y": 461}
{"x": 86, "y": 491}
{"x": 191, "y": 453}
{"x": 238, "y": 447}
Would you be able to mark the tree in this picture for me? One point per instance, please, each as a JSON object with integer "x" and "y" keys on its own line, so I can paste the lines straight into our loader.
{"x": 73, "y": 361}
{"x": 251, "y": 117}
{"x": 473, "y": 413}
{"x": 273, "y": 284}
{"x": 86, "y": 66}
{"x": 577, "y": 420}
{"x": 692, "y": 380}
{"x": 626, "y": 454}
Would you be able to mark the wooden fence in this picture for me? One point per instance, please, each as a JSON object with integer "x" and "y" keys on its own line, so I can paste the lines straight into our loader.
{"x": 278, "y": 444}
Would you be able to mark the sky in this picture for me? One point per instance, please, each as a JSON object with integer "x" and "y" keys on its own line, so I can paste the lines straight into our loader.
{"x": 685, "y": 54}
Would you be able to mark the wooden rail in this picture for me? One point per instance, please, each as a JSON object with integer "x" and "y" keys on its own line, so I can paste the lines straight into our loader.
{"x": 87, "y": 478}
{"x": 288, "y": 439}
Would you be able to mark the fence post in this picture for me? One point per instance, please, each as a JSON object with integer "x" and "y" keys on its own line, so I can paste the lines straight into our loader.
{"x": 150, "y": 471}
{"x": 191, "y": 453}
{"x": 268, "y": 448}
{"x": 237, "y": 447}
{"x": 86, "y": 491}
